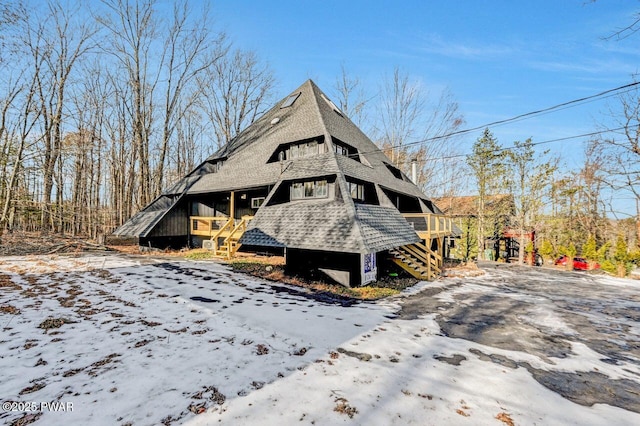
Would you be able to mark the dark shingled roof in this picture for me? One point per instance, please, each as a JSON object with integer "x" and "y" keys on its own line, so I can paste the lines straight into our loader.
{"x": 331, "y": 224}
{"x": 140, "y": 224}
{"x": 383, "y": 228}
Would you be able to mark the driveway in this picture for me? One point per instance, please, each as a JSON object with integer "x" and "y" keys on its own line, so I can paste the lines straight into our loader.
{"x": 551, "y": 314}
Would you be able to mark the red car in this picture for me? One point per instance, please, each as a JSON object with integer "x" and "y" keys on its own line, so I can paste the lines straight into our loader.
{"x": 579, "y": 263}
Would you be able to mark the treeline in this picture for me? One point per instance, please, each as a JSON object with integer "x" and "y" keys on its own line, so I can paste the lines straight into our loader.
{"x": 103, "y": 104}
{"x": 572, "y": 212}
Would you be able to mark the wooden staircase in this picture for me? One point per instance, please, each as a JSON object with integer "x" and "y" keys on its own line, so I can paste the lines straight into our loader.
{"x": 424, "y": 260}
{"x": 231, "y": 232}
{"x": 418, "y": 260}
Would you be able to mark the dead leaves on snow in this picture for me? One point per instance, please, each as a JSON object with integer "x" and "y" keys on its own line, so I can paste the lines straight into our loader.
{"x": 208, "y": 393}
{"x": 343, "y": 407}
{"x": 8, "y": 309}
{"x": 262, "y": 349}
{"x": 505, "y": 418}
{"x": 50, "y": 323}
{"x": 37, "y": 385}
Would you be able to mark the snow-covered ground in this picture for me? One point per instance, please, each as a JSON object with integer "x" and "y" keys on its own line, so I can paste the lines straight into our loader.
{"x": 140, "y": 341}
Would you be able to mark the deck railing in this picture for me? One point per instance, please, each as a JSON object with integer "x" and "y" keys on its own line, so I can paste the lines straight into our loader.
{"x": 206, "y": 226}
{"x": 430, "y": 225}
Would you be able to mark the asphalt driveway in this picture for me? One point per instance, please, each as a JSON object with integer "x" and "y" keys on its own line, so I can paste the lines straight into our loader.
{"x": 551, "y": 314}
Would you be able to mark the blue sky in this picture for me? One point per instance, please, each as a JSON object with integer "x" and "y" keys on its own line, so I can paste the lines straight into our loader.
{"x": 499, "y": 58}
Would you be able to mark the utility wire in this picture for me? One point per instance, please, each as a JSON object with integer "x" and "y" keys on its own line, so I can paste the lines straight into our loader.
{"x": 563, "y": 105}
{"x": 532, "y": 144}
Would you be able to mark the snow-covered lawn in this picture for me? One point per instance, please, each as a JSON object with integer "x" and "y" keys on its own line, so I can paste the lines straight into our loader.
{"x": 122, "y": 340}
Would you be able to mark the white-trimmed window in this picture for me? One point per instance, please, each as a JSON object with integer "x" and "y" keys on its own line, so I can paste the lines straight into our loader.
{"x": 257, "y": 202}
{"x": 305, "y": 149}
{"x": 344, "y": 149}
{"x": 356, "y": 190}
{"x": 339, "y": 149}
{"x": 309, "y": 189}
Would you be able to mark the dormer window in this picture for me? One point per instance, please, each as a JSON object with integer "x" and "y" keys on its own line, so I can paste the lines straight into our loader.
{"x": 301, "y": 149}
{"x": 395, "y": 171}
{"x": 361, "y": 191}
{"x": 290, "y": 100}
{"x": 216, "y": 166}
{"x": 309, "y": 189}
{"x": 344, "y": 149}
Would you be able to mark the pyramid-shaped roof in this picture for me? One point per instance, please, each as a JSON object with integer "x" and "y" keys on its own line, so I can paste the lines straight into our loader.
{"x": 335, "y": 224}
{"x": 311, "y": 115}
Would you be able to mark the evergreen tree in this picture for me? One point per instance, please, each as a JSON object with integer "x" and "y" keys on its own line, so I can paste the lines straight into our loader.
{"x": 487, "y": 163}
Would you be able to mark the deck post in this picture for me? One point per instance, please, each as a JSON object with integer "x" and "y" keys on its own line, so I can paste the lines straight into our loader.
{"x": 232, "y": 205}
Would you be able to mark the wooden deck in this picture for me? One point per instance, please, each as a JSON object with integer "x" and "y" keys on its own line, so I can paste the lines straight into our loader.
{"x": 206, "y": 226}
{"x": 224, "y": 232}
{"x": 424, "y": 260}
{"x": 430, "y": 225}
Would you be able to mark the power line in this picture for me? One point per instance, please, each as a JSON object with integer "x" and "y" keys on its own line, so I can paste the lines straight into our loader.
{"x": 520, "y": 117}
{"x": 584, "y": 135}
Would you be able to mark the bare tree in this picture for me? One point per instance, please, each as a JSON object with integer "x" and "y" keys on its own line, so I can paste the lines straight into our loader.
{"x": 190, "y": 50}
{"x": 351, "y": 97}
{"x": 415, "y": 125}
{"x": 57, "y": 41}
{"x": 234, "y": 92}
{"x": 9, "y": 17}
{"x": 132, "y": 29}
{"x": 400, "y": 108}
{"x": 619, "y": 154}
{"x": 14, "y": 141}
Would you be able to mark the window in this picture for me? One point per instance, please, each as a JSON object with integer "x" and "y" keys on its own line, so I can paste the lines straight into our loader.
{"x": 257, "y": 202}
{"x": 215, "y": 167}
{"x": 332, "y": 105}
{"x": 342, "y": 148}
{"x": 321, "y": 188}
{"x": 394, "y": 170}
{"x": 290, "y": 100}
{"x": 305, "y": 149}
{"x": 309, "y": 189}
{"x": 300, "y": 149}
{"x": 293, "y": 152}
{"x": 297, "y": 191}
{"x": 356, "y": 190}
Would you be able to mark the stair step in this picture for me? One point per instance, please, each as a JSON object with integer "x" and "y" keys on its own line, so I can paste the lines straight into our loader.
{"x": 420, "y": 267}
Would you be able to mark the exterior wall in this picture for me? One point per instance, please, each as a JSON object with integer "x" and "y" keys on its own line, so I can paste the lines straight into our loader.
{"x": 164, "y": 242}
{"x": 308, "y": 262}
{"x": 217, "y": 204}
{"x": 174, "y": 223}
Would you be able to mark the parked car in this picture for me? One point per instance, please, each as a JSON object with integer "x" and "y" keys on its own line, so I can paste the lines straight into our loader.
{"x": 579, "y": 263}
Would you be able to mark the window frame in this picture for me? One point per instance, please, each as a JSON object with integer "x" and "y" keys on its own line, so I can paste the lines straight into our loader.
{"x": 291, "y": 99}
{"x": 359, "y": 191}
{"x": 256, "y": 200}
{"x": 309, "y": 189}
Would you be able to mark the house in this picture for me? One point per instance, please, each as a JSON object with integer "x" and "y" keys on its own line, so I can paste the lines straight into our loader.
{"x": 305, "y": 182}
{"x": 499, "y": 209}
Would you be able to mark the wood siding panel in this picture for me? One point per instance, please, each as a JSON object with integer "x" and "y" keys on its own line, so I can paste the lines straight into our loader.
{"x": 174, "y": 223}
